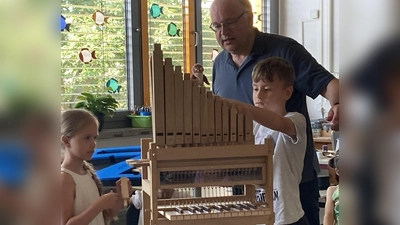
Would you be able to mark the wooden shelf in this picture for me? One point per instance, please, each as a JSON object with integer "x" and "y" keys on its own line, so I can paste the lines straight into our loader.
{"x": 319, "y": 141}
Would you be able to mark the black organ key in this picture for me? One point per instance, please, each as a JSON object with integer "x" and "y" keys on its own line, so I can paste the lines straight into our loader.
{"x": 244, "y": 206}
{"x": 225, "y": 207}
{"x": 237, "y": 206}
{"x": 252, "y": 206}
{"x": 179, "y": 210}
{"x": 219, "y": 208}
{"x": 191, "y": 209}
{"x": 198, "y": 208}
{"x": 206, "y": 208}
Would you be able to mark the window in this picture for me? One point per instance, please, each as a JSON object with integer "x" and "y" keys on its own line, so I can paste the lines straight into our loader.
{"x": 92, "y": 54}
{"x": 165, "y": 21}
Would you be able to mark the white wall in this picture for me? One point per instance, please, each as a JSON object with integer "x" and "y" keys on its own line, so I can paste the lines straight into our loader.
{"x": 315, "y": 24}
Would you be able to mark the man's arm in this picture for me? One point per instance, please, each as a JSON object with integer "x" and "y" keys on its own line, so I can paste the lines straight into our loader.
{"x": 331, "y": 92}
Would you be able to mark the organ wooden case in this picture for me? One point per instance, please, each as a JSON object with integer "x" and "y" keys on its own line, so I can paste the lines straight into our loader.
{"x": 201, "y": 147}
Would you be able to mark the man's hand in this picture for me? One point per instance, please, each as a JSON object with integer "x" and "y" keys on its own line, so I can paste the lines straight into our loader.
{"x": 333, "y": 117}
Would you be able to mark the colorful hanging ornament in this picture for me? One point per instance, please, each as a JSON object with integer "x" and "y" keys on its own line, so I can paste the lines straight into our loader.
{"x": 156, "y": 10}
{"x": 99, "y": 18}
{"x": 86, "y": 56}
{"x": 64, "y": 24}
{"x": 173, "y": 30}
{"x": 112, "y": 86}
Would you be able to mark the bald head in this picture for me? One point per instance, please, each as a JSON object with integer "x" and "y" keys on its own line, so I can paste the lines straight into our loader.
{"x": 243, "y": 4}
{"x": 234, "y": 19}
{"x": 218, "y": 6}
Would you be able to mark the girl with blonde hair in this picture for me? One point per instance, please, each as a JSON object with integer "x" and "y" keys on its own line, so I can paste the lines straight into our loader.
{"x": 82, "y": 199}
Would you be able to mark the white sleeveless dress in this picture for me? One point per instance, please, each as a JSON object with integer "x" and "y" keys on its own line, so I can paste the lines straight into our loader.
{"x": 86, "y": 194}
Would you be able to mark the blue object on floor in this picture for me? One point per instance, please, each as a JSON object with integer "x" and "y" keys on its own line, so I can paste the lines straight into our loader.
{"x": 111, "y": 174}
{"x": 120, "y": 149}
{"x": 104, "y": 157}
{"x": 115, "y": 152}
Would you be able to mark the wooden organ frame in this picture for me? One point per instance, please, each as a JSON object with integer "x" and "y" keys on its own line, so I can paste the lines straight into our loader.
{"x": 193, "y": 130}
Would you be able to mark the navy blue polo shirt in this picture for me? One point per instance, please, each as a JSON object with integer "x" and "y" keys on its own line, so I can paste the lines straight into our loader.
{"x": 229, "y": 81}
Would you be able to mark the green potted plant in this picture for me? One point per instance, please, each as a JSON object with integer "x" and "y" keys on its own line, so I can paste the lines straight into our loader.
{"x": 99, "y": 105}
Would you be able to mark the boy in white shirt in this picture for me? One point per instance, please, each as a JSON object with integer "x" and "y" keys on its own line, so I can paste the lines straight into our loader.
{"x": 273, "y": 80}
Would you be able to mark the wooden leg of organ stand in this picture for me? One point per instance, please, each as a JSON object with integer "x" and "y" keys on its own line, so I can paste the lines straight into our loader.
{"x": 154, "y": 180}
{"x": 250, "y": 191}
{"x": 146, "y": 212}
{"x": 268, "y": 186}
{"x": 145, "y": 145}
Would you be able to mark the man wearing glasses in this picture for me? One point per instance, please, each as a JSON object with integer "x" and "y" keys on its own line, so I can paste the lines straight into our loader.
{"x": 244, "y": 46}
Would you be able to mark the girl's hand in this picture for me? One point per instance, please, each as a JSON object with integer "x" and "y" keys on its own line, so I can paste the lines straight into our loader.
{"x": 109, "y": 200}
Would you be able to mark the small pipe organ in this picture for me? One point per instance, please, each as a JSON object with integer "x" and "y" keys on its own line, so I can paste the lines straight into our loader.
{"x": 201, "y": 147}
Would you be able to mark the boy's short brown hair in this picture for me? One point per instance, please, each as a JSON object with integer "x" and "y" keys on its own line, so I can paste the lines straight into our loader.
{"x": 272, "y": 67}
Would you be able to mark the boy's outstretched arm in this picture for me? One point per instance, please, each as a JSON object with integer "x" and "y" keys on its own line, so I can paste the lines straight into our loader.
{"x": 268, "y": 118}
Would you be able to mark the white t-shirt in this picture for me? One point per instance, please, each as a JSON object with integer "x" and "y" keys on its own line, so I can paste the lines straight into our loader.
{"x": 288, "y": 166}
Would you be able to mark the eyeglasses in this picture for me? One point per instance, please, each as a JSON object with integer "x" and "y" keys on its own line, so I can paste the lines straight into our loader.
{"x": 230, "y": 25}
